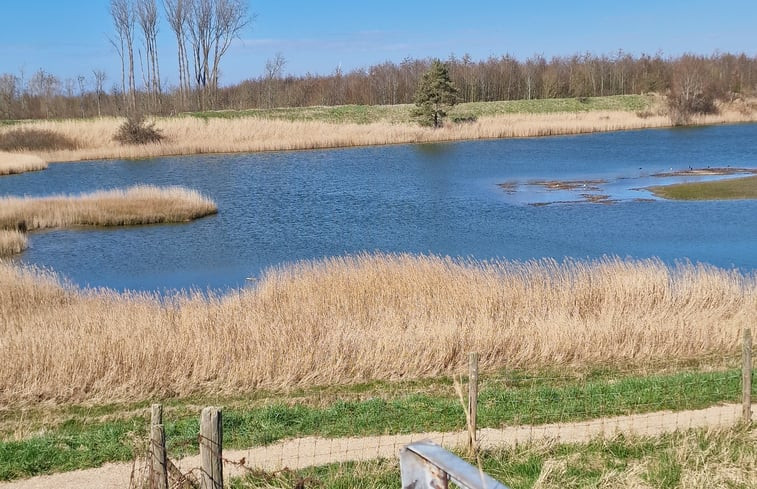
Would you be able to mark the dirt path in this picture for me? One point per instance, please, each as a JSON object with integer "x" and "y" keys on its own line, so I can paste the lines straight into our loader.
{"x": 309, "y": 451}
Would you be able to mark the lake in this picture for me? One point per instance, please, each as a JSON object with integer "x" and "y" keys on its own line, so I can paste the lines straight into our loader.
{"x": 445, "y": 199}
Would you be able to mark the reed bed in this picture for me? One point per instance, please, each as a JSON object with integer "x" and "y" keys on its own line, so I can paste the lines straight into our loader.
{"x": 12, "y": 242}
{"x": 142, "y": 204}
{"x": 13, "y": 163}
{"x": 190, "y": 135}
{"x": 360, "y": 318}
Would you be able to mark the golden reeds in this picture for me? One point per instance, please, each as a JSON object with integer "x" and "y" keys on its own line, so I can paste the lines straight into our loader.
{"x": 189, "y": 135}
{"x": 143, "y": 204}
{"x": 362, "y": 318}
{"x": 12, "y": 242}
{"x": 12, "y": 163}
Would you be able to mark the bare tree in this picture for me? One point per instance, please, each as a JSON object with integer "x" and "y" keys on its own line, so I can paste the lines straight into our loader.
{"x": 274, "y": 68}
{"x": 212, "y": 26}
{"x": 177, "y": 14}
{"x": 100, "y": 78}
{"x": 147, "y": 17}
{"x": 10, "y": 90}
{"x": 122, "y": 12}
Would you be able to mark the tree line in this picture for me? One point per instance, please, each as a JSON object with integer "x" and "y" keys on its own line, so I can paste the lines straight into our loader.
{"x": 695, "y": 79}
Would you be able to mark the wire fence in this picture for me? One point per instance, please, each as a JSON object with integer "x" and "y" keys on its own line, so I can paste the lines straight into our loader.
{"x": 506, "y": 409}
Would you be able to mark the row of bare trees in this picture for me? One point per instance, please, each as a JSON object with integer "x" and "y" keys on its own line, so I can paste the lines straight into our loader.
{"x": 204, "y": 30}
{"x": 695, "y": 80}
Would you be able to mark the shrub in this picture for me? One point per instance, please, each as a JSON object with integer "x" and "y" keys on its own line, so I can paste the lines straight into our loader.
{"x": 27, "y": 139}
{"x": 136, "y": 130}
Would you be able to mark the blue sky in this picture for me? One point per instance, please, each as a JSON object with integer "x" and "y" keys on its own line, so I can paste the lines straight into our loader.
{"x": 68, "y": 38}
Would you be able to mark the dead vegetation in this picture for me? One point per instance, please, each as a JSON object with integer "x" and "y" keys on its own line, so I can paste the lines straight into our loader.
{"x": 357, "y": 319}
{"x": 137, "y": 205}
{"x": 13, "y": 163}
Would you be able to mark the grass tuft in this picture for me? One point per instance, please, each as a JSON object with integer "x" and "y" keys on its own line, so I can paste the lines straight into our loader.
{"x": 12, "y": 242}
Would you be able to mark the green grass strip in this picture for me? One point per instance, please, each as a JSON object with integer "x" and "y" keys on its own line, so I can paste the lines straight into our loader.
{"x": 503, "y": 401}
{"x": 729, "y": 189}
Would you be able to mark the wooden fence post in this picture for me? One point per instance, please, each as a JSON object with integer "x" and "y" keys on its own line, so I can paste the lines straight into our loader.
{"x": 211, "y": 449}
{"x": 158, "y": 468}
{"x": 746, "y": 375}
{"x": 472, "y": 401}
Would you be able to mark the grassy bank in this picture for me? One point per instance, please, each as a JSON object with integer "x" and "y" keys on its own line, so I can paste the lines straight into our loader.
{"x": 734, "y": 188}
{"x": 13, "y": 163}
{"x": 356, "y": 319}
{"x": 39, "y": 440}
{"x": 136, "y": 205}
{"x": 691, "y": 459}
{"x": 330, "y": 127}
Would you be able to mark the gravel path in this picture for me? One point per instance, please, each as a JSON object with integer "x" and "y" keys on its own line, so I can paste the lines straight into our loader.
{"x": 309, "y": 451}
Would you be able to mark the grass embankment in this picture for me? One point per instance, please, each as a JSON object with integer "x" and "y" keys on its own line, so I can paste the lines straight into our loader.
{"x": 330, "y": 127}
{"x": 692, "y": 459}
{"x": 729, "y": 189}
{"x": 13, "y": 163}
{"x": 40, "y": 440}
{"x": 356, "y": 319}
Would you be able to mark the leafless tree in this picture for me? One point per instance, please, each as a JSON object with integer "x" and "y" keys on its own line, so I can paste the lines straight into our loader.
{"x": 177, "y": 14}
{"x": 100, "y": 78}
{"x": 123, "y": 15}
{"x": 274, "y": 68}
{"x": 43, "y": 86}
{"x": 212, "y": 26}
{"x": 10, "y": 90}
{"x": 147, "y": 17}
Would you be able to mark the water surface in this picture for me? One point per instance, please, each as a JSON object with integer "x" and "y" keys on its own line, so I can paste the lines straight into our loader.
{"x": 281, "y": 207}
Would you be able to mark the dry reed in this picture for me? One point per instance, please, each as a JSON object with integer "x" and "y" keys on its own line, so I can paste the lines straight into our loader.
{"x": 187, "y": 135}
{"x": 362, "y": 318}
{"x": 137, "y": 205}
{"x": 12, "y": 163}
{"x": 12, "y": 242}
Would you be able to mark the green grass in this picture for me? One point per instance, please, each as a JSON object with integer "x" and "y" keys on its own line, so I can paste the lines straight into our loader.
{"x": 716, "y": 459}
{"x": 364, "y": 114}
{"x": 84, "y": 437}
{"x": 729, "y": 189}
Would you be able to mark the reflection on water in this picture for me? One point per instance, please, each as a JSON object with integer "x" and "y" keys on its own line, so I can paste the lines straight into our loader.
{"x": 444, "y": 198}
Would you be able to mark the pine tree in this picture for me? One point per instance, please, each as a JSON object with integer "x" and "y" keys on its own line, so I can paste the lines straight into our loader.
{"x": 436, "y": 93}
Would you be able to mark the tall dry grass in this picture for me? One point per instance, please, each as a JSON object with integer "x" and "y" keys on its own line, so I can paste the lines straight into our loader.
{"x": 13, "y": 163}
{"x": 354, "y": 319}
{"x": 188, "y": 135}
{"x": 12, "y": 242}
{"x": 143, "y": 204}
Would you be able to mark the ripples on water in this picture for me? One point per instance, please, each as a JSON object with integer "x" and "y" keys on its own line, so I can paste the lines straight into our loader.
{"x": 442, "y": 198}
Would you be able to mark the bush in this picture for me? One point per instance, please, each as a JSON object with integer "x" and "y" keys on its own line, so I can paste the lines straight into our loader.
{"x": 28, "y": 139}
{"x": 136, "y": 130}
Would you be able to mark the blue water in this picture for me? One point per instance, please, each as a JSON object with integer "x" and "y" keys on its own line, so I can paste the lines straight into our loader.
{"x": 281, "y": 207}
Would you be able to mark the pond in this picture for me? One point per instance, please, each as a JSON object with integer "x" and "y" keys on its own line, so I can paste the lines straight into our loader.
{"x": 445, "y": 199}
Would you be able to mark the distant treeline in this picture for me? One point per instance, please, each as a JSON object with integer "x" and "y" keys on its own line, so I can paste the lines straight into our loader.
{"x": 43, "y": 95}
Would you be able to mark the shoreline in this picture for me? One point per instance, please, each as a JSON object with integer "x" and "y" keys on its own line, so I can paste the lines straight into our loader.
{"x": 190, "y": 135}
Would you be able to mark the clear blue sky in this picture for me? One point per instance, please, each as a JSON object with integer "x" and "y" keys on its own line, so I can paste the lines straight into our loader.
{"x": 68, "y": 38}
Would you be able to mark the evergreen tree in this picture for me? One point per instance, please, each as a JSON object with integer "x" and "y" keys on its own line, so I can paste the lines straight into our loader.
{"x": 436, "y": 93}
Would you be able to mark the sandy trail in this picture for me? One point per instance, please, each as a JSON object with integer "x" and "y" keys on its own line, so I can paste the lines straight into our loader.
{"x": 310, "y": 451}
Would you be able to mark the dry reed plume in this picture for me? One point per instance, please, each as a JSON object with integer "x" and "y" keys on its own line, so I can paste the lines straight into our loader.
{"x": 12, "y": 163}
{"x": 187, "y": 135}
{"x": 137, "y": 205}
{"x": 354, "y": 319}
{"x": 12, "y": 242}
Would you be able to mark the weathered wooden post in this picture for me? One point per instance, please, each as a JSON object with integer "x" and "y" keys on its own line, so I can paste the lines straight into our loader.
{"x": 746, "y": 375}
{"x": 158, "y": 468}
{"x": 472, "y": 400}
{"x": 211, "y": 449}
